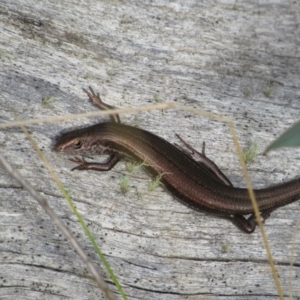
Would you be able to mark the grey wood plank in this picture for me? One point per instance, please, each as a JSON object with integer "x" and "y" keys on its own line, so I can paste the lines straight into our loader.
{"x": 237, "y": 59}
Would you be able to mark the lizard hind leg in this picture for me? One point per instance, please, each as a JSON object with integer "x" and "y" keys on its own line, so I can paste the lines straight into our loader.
{"x": 249, "y": 224}
{"x": 204, "y": 161}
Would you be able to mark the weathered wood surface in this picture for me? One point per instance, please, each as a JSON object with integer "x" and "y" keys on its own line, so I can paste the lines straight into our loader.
{"x": 240, "y": 60}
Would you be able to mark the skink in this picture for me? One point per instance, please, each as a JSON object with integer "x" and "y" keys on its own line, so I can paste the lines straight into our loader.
{"x": 190, "y": 176}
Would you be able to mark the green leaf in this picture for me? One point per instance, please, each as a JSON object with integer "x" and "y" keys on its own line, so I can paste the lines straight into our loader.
{"x": 291, "y": 138}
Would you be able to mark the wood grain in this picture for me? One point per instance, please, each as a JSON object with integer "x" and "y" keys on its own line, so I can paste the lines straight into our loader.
{"x": 237, "y": 59}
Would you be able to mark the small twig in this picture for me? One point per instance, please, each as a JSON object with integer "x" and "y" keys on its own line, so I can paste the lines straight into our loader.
{"x": 49, "y": 211}
{"x": 86, "y": 115}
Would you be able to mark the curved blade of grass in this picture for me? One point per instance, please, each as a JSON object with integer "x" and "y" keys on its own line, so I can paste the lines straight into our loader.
{"x": 79, "y": 217}
{"x": 68, "y": 234}
{"x": 290, "y": 138}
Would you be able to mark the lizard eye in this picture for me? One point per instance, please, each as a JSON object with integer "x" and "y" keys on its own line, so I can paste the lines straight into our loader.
{"x": 77, "y": 144}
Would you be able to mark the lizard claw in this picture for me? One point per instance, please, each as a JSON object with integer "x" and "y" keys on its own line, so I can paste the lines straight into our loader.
{"x": 94, "y": 98}
{"x": 81, "y": 161}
